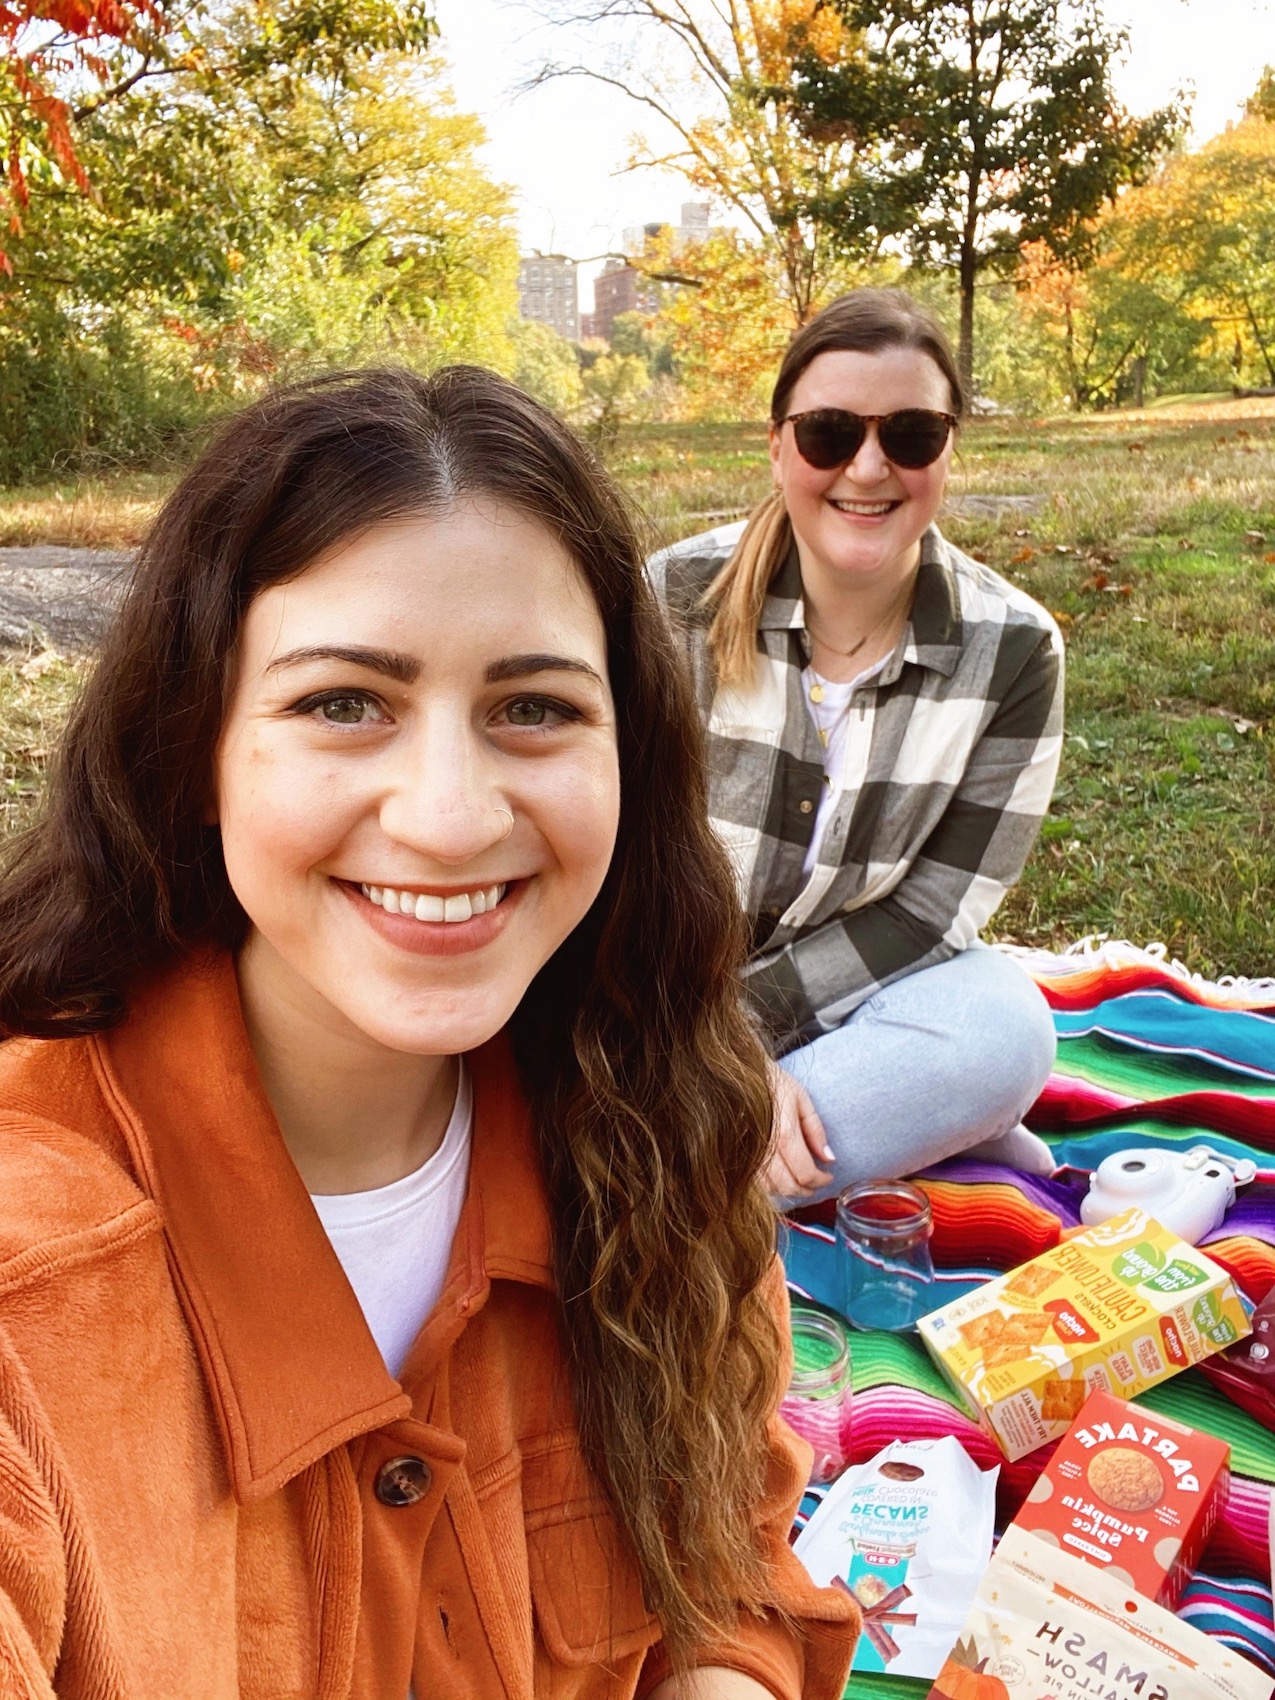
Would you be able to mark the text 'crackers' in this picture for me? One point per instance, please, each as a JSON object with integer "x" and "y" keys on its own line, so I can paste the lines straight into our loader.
{"x": 1116, "y": 1308}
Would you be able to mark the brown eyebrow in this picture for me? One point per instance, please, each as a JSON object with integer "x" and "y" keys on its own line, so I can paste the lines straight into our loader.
{"x": 405, "y": 669}
{"x": 402, "y": 668}
{"x": 521, "y": 666}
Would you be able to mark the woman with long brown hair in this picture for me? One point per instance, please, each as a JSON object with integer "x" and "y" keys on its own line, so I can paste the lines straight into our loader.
{"x": 884, "y": 720}
{"x": 387, "y": 1302}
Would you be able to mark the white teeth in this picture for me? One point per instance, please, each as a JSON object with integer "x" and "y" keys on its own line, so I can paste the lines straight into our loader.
{"x": 863, "y": 507}
{"x": 426, "y": 906}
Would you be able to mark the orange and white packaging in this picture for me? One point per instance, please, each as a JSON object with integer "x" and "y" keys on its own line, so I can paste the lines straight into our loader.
{"x": 1048, "y": 1626}
{"x": 1132, "y": 1492}
{"x": 1119, "y": 1307}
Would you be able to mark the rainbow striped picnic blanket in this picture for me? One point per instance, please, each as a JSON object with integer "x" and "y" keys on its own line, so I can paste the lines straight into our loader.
{"x": 1147, "y": 1054}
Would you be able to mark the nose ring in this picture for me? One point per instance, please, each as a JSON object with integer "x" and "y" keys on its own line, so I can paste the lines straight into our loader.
{"x": 509, "y": 812}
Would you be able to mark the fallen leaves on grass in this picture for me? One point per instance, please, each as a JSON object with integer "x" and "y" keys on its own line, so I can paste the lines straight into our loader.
{"x": 40, "y": 664}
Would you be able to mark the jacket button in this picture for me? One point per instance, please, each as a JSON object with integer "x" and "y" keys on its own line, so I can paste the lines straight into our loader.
{"x": 806, "y": 806}
{"x": 402, "y": 1481}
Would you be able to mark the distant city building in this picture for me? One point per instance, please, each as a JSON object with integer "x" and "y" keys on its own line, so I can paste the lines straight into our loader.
{"x": 641, "y": 238}
{"x": 619, "y": 288}
{"x": 589, "y": 331}
{"x": 548, "y": 292}
{"x": 693, "y": 227}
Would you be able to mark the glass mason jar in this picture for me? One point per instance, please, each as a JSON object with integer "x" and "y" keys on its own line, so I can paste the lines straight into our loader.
{"x": 817, "y": 1404}
{"x": 883, "y": 1236}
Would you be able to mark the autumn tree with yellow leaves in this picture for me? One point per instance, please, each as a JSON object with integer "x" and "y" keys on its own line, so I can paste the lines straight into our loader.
{"x": 1181, "y": 290}
{"x": 719, "y": 76}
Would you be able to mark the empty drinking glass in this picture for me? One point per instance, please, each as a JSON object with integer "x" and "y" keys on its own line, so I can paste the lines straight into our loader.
{"x": 883, "y": 1234}
{"x": 817, "y": 1404}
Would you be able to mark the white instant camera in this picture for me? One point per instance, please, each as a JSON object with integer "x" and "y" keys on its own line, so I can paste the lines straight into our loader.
{"x": 1188, "y": 1192}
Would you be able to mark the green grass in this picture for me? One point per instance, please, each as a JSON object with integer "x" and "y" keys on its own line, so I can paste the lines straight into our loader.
{"x": 1154, "y": 545}
{"x": 35, "y": 694}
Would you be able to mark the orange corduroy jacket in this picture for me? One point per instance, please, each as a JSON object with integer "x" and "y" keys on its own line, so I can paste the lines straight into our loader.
{"x": 210, "y": 1486}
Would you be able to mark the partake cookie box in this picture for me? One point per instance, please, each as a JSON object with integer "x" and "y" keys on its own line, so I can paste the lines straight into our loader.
{"x": 1115, "y": 1308}
{"x": 1132, "y": 1492}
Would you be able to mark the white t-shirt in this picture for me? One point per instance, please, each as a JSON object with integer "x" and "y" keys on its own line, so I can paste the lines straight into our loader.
{"x": 394, "y": 1243}
{"x": 832, "y": 712}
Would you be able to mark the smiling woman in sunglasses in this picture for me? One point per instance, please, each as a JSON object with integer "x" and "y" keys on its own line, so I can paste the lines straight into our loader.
{"x": 884, "y": 719}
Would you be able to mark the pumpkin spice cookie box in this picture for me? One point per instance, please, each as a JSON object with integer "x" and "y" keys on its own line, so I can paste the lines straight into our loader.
{"x": 1133, "y": 1493}
{"x": 1115, "y": 1308}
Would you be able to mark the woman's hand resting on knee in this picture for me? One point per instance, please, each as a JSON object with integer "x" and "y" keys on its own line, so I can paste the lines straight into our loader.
{"x": 800, "y": 1145}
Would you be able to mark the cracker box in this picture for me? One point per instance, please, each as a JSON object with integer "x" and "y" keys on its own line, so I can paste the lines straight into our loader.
{"x": 1117, "y": 1308}
{"x": 1132, "y": 1492}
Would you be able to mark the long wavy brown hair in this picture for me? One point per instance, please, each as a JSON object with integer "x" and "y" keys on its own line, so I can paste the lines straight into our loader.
{"x": 864, "y": 321}
{"x": 647, "y": 1084}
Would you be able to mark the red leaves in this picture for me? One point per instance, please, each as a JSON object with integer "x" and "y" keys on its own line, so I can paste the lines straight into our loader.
{"x": 75, "y": 16}
{"x": 43, "y": 119}
{"x": 54, "y": 117}
{"x": 81, "y": 19}
{"x": 19, "y": 194}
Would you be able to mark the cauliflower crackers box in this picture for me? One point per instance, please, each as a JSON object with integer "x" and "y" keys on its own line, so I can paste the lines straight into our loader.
{"x": 1115, "y": 1308}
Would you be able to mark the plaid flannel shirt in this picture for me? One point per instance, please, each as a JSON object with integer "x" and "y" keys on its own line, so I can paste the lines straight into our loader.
{"x": 947, "y": 774}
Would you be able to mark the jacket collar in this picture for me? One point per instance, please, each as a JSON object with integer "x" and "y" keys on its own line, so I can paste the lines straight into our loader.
{"x": 932, "y": 637}
{"x": 291, "y": 1366}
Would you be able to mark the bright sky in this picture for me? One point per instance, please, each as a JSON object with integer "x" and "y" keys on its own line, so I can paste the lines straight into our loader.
{"x": 562, "y": 147}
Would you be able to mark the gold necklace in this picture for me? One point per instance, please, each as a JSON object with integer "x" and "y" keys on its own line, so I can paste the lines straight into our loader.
{"x": 817, "y": 690}
{"x": 817, "y": 694}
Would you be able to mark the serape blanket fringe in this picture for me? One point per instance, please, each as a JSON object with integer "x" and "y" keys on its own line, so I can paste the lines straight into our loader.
{"x": 1148, "y": 1053}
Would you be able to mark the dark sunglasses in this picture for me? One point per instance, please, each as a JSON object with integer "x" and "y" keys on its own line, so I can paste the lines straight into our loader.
{"x": 832, "y": 436}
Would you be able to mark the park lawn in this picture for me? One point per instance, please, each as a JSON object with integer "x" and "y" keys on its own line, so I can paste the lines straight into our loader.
{"x": 1154, "y": 544}
{"x": 107, "y": 512}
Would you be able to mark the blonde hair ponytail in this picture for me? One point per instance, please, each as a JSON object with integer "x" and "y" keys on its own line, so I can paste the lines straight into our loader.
{"x": 739, "y": 590}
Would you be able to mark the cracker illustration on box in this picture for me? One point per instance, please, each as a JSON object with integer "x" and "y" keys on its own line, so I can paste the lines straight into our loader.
{"x": 1117, "y": 1308}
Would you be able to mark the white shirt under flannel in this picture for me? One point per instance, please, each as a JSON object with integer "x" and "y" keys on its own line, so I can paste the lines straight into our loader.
{"x": 946, "y": 775}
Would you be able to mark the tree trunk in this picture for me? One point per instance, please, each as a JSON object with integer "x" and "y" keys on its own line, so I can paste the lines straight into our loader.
{"x": 1140, "y": 381}
{"x": 965, "y": 347}
{"x": 1074, "y": 382}
{"x": 1259, "y": 339}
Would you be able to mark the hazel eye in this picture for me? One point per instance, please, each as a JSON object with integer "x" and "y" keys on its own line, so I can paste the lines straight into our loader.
{"x": 528, "y": 711}
{"x": 341, "y": 708}
{"x": 345, "y": 711}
